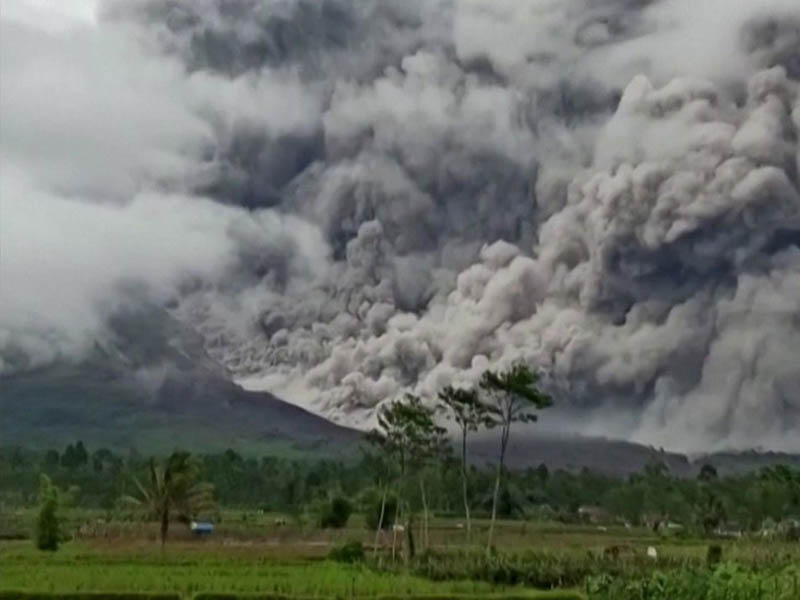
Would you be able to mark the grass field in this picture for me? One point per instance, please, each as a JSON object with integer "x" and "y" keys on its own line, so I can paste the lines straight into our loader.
{"x": 189, "y": 569}
{"x": 250, "y": 554}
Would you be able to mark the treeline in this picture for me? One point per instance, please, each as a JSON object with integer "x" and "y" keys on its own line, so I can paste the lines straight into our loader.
{"x": 97, "y": 478}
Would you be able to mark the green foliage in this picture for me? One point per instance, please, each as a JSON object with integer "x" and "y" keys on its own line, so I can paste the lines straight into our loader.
{"x": 336, "y": 513}
{"x": 408, "y": 433}
{"x": 726, "y": 582}
{"x": 465, "y": 407}
{"x": 208, "y": 570}
{"x": 714, "y": 555}
{"x": 75, "y": 456}
{"x": 793, "y": 532}
{"x": 350, "y": 552}
{"x": 103, "y": 459}
{"x": 515, "y": 392}
{"x": 173, "y": 490}
{"x": 512, "y": 395}
{"x": 537, "y": 569}
{"x": 509, "y": 502}
{"x": 763, "y": 502}
{"x": 48, "y": 533}
{"x": 51, "y": 459}
{"x": 551, "y": 595}
{"x": 47, "y": 529}
{"x": 372, "y": 514}
{"x": 218, "y": 596}
{"x": 15, "y": 595}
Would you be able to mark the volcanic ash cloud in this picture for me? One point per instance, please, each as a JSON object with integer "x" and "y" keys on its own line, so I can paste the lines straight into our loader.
{"x": 350, "y": 200}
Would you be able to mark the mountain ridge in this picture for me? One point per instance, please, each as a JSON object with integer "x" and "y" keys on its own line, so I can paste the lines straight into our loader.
{"x": 149, "y": 385}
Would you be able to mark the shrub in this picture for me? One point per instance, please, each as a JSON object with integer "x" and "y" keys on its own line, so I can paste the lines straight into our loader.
{"x": 47, "y": 529}
{"x": 351, "y": 552}
{"x": 373, "y": 513}
{"x": 727, "y": 581}
{"x": 336, "y": 513}
{"x": 793, "y": 533}
{"x": 714, "y": 555}
{"x": 14, "y": 595}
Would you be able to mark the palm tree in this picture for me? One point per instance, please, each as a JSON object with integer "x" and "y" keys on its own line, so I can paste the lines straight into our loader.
{"x": 173, "y": 490}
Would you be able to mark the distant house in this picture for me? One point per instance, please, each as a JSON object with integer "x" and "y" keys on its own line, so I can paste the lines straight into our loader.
{"x": 788, "y": 528}
{"x": 657, "y": 522}
{"x": 201, "y": 528}
{"x": 729, "y": 530}
{"x": 661, "y": 524}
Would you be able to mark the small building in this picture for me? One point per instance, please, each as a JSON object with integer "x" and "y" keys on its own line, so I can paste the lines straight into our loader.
{"x": 201, "y": 528}
{"x": 729, "y": 530}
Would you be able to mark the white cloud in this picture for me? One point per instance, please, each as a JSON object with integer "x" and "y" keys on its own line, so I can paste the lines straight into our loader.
{"x": 51, "y": 15}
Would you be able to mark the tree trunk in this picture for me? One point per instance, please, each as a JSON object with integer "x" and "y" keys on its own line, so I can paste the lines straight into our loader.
{"x": 425, "y": 540}
{"x": 464, "y": 485}
{"x": 410, "y": 536}
{"x": 164, "y": 524}
{"x": 380, "y": 522}
{"x": 496, "y": 495}
{"x": 394, "y": 529}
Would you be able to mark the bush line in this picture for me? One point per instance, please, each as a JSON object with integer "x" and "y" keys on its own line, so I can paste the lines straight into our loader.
{"x": 556, "y": 595}
{"x": 16, "y": 595}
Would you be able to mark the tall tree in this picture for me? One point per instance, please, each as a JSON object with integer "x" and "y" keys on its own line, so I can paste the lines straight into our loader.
{"x": 68, "y": 458}
{"x": 512, "y": 395}
{"x": 81, "y": 455}
{"x": 428, "y": 444}
{"x": 408, "y": 433}
{"x": 711, "y": 511}
{"x": 173, "y": 490}
{"x": 465, "y": 408}
{"x": 51, "y": 459}
{"x": 388, "y": 456}
{"x": 17, "y": 459}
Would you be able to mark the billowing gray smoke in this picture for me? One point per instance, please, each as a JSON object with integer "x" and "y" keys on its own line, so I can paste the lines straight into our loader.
{"x": 373, "y": 196}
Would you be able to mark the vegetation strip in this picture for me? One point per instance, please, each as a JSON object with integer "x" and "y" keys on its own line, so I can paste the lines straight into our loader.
{"x": 16, "y": 595}
{"x": 391, "y": 525}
